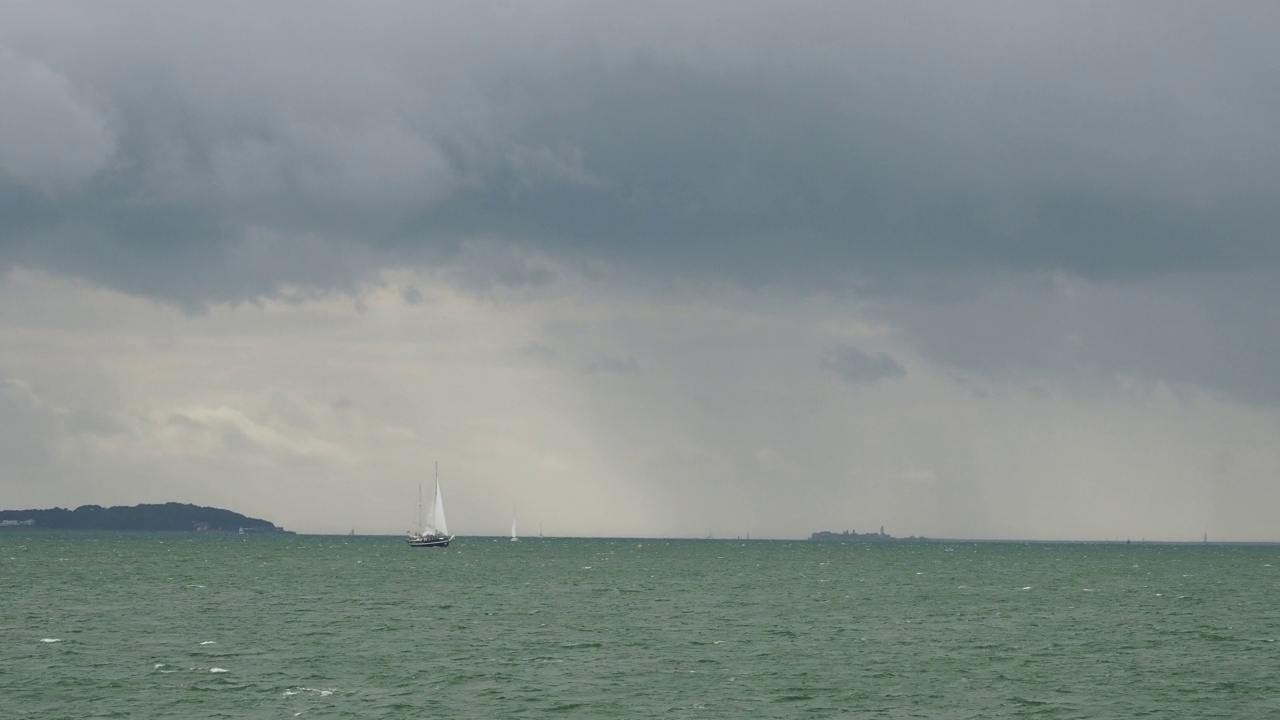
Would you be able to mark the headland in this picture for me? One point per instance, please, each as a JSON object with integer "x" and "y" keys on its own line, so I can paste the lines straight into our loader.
{"x": 166, "y": 517}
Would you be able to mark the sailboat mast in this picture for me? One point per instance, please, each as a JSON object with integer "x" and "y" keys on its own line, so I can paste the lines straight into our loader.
{"x": 434, "y": 529}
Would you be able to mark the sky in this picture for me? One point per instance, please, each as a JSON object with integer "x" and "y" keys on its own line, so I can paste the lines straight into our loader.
{"x": 661, "y": 269}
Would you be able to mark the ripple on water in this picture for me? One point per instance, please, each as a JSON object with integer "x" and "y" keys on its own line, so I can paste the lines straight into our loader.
{"x": 454, "y": 637}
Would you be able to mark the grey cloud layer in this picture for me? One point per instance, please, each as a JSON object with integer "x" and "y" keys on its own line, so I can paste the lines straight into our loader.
{"x": 858, "y": 367}
{"x": 212, "y": 154}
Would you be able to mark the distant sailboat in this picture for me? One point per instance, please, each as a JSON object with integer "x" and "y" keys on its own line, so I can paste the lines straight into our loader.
{"x": 433, "y": 532}
{"x": 513, "y": 530}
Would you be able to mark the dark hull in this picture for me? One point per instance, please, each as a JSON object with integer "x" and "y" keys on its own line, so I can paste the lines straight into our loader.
{"x": 428, "y": 542}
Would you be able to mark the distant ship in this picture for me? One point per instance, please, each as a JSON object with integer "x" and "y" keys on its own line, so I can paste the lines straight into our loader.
{"x": 433, "y": 531}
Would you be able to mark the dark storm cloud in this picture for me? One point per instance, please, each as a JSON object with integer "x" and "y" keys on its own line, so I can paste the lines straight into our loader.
{"x": 1210, "y": 332}
{"x": 860, "y": 368}
{"x": 199, "y": 155}
{"x": 1102, "y": 141}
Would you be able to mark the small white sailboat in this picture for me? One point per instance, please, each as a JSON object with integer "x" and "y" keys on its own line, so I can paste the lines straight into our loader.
{"x": 433, "y": 530}
{"x": 513, "y": 530}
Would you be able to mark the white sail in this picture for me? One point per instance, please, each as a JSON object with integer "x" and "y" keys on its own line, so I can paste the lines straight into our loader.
{"x": 438, "y": 524}
{"x": 513, "y": 530}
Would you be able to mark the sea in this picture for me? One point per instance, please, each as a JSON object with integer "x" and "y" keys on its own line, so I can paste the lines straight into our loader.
{"x": 106, "y": 625}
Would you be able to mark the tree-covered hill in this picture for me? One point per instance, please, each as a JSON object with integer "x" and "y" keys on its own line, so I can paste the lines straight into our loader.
{"x": 174, "y": 517}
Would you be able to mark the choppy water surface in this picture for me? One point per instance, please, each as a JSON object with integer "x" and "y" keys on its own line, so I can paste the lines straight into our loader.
{"x": 192, "y": 626}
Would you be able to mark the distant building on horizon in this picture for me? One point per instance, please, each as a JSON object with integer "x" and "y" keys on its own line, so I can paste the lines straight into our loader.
{"x": 851, "y": 536}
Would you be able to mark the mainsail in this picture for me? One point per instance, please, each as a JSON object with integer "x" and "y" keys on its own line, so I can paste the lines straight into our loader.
{"x": 438, "y": 525}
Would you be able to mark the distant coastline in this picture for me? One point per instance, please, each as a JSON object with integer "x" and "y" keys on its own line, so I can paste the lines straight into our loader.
{"x": 850, "y": 536}
{"x": 853, "y": 536}
{"x": 166, "y": 517}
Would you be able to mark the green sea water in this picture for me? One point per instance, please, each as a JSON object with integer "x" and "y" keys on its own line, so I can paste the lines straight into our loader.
{"x": 209, "y": 626}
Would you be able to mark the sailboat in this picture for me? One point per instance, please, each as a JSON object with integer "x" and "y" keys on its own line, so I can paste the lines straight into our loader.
{"x": 513, "y": 530}
{"x": 433, "y": 531}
